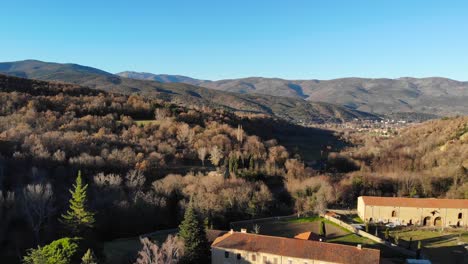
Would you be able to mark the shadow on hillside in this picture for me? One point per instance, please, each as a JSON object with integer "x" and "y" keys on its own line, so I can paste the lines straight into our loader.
{"x": 311, "y": 144}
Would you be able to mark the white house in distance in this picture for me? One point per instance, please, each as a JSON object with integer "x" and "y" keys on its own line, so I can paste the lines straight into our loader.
{"x": 414, "y": 211}
{"x": 240, "y": 247}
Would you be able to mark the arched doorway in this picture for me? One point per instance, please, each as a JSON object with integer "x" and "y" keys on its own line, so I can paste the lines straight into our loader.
{"x": 460, "y": 215}
{"x": 371, "y": 220}
{"x": 438, "y": 221}
{"x": 410, "y": 222}
{"x": 427, "y": 221}
{"x": 394, "y": 213}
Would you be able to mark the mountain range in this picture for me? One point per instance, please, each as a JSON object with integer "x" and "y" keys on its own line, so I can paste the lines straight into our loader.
{"x": 300, "y": 101}
{"x": 288, "y": 108}
{"x": 430, "y": 96}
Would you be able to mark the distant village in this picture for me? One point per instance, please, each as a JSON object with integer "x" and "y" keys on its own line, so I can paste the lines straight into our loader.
{"x": 383, "y": 127}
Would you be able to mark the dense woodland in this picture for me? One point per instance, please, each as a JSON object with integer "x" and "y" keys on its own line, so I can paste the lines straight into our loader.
{"x": 140, "y": 172}
{"x": 144, "y": 160}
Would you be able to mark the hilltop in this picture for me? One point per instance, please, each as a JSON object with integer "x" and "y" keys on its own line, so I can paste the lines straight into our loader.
{"x": 403, "y": 96}
{"x": 291, "y": 109}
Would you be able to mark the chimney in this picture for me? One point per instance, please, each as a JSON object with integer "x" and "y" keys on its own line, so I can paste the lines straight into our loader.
{"x": 243, "y": 230}
{"x": 359, "y": 246}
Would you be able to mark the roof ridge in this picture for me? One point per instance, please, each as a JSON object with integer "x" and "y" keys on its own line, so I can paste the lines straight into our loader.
{"x": 297, "y": 248}
{"x": 286, "y": 239}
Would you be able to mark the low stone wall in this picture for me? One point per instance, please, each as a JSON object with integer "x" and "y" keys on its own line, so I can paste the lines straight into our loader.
{"x": 369, "y": 236}
{"x": 340, "y": 223}
{"x": 266, "y": 219}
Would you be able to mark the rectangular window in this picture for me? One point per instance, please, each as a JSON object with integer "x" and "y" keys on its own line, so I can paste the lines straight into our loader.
{"x": 289, "y": 261}
{"x": 254, "y": 257}
{"x": 265, "y": 260}
{"x": 226, "y": 254}
{"x": 238, "y": 256}
{"x": 275, "y": 261}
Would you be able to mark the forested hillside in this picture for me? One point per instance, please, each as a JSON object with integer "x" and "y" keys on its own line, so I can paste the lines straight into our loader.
{"x": 428, "y": 160}
{"x": 142, "y": 158}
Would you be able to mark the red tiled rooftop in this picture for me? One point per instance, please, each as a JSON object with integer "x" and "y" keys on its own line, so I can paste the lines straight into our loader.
{"x": 308, "y": 236}
{"x": 415, "y": 202}
{"x": 297, "y": 248}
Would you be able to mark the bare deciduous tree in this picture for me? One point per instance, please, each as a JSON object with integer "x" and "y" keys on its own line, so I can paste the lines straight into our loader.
{"x": 7, "y": 204}
{"x": 215, "y": 155}
{"x": 240, "y": 134}
{"x": 135, "y": 180}
{"x": 172, "y": 249}
{"x": 202, "y": 152}
{"x": 37, "y": 206}
{"x": 169, "y": 252}
{"x": 184, "y": 133}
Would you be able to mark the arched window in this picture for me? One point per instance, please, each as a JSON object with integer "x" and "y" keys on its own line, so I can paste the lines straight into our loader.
{"x": 394, "y": 213}
{"x": 427, "y": 221}
{"x": 460, "y": 215}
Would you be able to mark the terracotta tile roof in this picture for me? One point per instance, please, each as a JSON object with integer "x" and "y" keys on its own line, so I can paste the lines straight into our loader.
{"x": 297, "y": 248}
{"x": 415, "y": 202}
{"x": 308, "y": 236}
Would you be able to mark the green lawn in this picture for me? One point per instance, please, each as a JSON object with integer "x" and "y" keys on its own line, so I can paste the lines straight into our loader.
{"x": 438, "y": 246}
{"x": 123, "y": 250}
{"x": 305, "y": 219}
{"x": 431, "y": 238}
{"x": 351, "y": 239}
{"x": 356, "y": 219}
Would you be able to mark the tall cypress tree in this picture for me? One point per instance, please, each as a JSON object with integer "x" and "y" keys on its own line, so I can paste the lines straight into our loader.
{"x": 78, "y": 217}
{"x": 192, "y": 231}
{"x": 251, "y": 163}
{"x": 322, "y": 230}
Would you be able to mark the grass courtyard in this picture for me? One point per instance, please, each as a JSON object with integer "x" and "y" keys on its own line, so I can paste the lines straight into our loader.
{"x": 439, "y": 246}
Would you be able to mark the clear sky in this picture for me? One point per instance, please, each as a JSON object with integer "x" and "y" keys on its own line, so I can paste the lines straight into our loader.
{"x": 295, "y": 39}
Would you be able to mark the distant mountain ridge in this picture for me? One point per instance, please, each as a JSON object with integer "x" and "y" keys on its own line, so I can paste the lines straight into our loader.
{"x": 164, "y": 78}
{"x": 433, "y": 96}
{"x": 291, "y": 109}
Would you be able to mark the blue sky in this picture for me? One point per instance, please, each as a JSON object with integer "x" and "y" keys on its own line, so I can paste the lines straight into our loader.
{"x": 295, "y": 39}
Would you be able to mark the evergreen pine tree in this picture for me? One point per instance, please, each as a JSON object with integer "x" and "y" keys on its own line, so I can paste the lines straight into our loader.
{"x": 418, "y": 251}
{"x": 251, "y": 163}
{"x": 88, "y": 258}
{"x": 236, "y": 165}
{"x": 231, "y": 164}
{"x": 192, "y": 231}
{"x": 322, "y": 230}
{"x": 78, "y": 217}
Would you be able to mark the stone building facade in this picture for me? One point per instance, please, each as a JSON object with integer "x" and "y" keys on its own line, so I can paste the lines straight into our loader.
{"x": 414, "y": 211}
